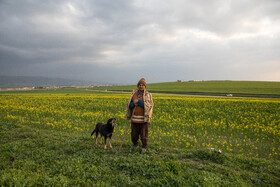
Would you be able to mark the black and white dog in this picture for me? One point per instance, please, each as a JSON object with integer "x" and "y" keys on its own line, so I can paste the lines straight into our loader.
{"x": 105, "y": 130}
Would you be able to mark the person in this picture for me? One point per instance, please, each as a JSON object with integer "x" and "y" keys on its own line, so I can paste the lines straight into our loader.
{"x": 139, "y": 111}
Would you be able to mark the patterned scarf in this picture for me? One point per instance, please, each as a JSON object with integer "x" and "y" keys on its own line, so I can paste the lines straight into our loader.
{"x": 140, "y": 93}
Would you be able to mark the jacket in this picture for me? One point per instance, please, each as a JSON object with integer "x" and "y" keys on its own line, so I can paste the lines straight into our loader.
{"x": 148, "y": 106}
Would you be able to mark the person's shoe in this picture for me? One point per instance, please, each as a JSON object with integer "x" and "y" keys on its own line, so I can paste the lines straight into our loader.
{"x": 143, "y": 151}
{"x": 133, "y": 148}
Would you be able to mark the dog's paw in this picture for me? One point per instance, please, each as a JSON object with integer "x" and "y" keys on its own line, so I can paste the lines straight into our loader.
{"x": 105, "y": 147}
{"x": 111, "y": 146}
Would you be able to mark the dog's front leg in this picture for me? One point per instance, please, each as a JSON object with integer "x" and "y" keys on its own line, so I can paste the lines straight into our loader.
{"x": 110, "y": 143}
{"x": 105, "y": 146}
{"x": 100, "y": 140}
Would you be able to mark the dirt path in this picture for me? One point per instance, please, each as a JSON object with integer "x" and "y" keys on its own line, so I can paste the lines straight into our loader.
{"x": 225, "y": 95}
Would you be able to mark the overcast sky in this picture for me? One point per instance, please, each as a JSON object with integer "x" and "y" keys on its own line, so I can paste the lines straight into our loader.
{"x": 120, "y": 41}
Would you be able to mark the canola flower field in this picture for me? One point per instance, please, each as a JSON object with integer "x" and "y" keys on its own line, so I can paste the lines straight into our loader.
{"x": 242, "y": 126}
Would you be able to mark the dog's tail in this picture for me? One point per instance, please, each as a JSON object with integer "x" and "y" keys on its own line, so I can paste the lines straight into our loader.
{"x": 93, "y": 132}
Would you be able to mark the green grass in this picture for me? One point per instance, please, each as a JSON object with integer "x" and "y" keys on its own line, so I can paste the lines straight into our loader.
{"x": 34, "y": 156}
{"x": 222, "y": 87}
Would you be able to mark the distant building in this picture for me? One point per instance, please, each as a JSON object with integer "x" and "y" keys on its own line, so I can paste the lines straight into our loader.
{"x": 194, "y": 80}
{"x": 180, "y": 80}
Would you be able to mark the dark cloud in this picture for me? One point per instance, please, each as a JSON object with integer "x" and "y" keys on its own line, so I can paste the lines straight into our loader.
{"x": 122, "y": 41}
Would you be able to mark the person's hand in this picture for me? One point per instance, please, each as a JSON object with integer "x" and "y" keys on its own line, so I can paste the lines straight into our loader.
{"x": 135, "y": 101}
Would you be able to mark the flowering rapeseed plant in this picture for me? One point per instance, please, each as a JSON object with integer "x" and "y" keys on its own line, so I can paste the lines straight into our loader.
{"x": 244, "y": 126}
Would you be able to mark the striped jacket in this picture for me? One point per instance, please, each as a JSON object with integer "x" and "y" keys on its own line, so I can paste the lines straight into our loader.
{"x": 148, "y": 106}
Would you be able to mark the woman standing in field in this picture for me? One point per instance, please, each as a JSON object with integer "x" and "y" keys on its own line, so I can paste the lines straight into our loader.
{"x": 139, "y": 110}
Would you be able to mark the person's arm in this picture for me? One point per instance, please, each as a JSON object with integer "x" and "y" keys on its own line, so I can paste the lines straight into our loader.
{"x": 131, "y": 105}
{"x": 141, "y": 103}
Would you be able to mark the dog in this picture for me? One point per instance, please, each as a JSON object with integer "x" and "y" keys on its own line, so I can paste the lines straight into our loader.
{"x": 105, "y": 130}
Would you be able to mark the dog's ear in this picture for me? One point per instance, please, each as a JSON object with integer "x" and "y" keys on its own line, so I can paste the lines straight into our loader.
{"x": 110, "y": 120}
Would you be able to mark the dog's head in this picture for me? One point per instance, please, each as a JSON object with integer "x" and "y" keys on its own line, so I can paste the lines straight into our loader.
{"x": 112, "y": 121}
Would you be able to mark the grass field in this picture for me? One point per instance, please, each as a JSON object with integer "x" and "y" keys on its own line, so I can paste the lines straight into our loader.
{"x": 220, "y": 87}
{"x": 45, "y": 140}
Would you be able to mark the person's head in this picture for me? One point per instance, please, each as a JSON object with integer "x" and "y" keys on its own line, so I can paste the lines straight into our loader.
{"x": 142, "y": 84}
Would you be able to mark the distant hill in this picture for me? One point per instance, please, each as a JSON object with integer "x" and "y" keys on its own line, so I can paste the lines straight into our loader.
{"x": 29, "y": 81}
{"x": 236, "y": 88}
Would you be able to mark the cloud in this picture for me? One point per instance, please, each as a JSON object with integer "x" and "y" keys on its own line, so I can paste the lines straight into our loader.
{"x": 122, "y": 41}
